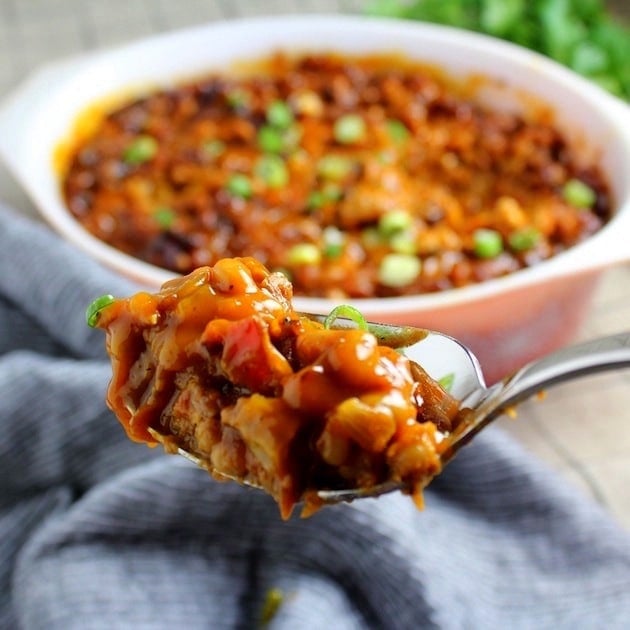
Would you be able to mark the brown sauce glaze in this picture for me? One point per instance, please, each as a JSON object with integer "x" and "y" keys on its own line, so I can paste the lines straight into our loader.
{"x": 220, "y": 364}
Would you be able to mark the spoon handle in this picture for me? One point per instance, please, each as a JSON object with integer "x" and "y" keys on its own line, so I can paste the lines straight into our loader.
{"x": 597, "y": 355}
{"x": 589, "y": 357}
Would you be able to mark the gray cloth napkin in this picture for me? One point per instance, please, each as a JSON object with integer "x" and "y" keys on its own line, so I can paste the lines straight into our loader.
{"x": 98, "y": 532}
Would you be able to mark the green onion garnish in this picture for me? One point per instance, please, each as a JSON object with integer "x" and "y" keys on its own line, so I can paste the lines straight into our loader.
{"x": 329, "y": 193}
{"x": 446, "y": 382}
{"x": 94, "y": 310}
{"x": 240, "y": 185}
{"x": 403, "y": 243}
{"x": 334, "y": 167}
{"x": 579, "y": 194}
{"x": 270, "y": 139}
{"x": 348, "y": 312}
{"x": 393, "y": 222}
{"x": 141, "y": 150}
{"x": 334, "y": 240}
{"x": 349, "y": 128}
{"x": 333, "y": 250}
{"x": 304, "y": 254}
{"x": 279, "y": 115}
{"x": 524, "y": 239}
{"x": 399, "y": 270}
{"x": 397, "y": 130}
{"x": 487, "y": 243}
{"x": 316, "y": 199}
{"x": 272, "y": 170}
{"x": 164, "y": 217}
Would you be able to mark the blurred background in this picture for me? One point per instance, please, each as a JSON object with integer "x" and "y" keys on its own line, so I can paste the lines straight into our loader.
{"x": 582, "y": 429}
{"x": 35, "y": 32}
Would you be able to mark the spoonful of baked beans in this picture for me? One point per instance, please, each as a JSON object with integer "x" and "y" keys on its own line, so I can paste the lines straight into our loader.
{"x": 219, "y": 367}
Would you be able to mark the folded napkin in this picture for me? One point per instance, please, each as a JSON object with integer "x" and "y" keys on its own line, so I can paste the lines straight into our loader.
{"x": 98, "y": 532}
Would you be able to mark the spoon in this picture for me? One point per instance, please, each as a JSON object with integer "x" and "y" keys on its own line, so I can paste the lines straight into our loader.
{"x": 441, "y": 356}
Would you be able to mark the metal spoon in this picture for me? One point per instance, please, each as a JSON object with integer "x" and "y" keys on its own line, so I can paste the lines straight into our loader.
{"x": 441, "y": 355}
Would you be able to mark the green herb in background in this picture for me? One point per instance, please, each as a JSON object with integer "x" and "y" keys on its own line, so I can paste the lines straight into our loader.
{"x": 581, "y": 34}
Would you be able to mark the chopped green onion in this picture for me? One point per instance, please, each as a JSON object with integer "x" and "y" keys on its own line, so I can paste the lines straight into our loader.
{"x": 270, "y": 139}
{"x": 279, "y": 115}
{"x": 333, "y": 250}
{"x": 273, "y": 140}
{"x": 397, "y": 130}
{"x": 164, "y": 217}
{"x": 393, "y": 222}
{"x": 334, "y": 167}
{"x": 403, "y": 243}
{"x": 579, "y": 194}
{"x": 272, "y": 170}
{"x": 446, "y": 382}
{"x": 487, "y": 243}
{"x": 94, "y": 310}
{"x": 316, "y": 200}
{"x": 524, "y": 239}
{"x": 348, "y": 312}
{"x": 349, "y": 128}
{"x": 240, "y": 185}
{"x": 399, "y": 270}
{"x": 141, "y": 150}
{"x": 334, "y": 240}
{"x": 213, "y": 148}
{"x": 304, "y": 254}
